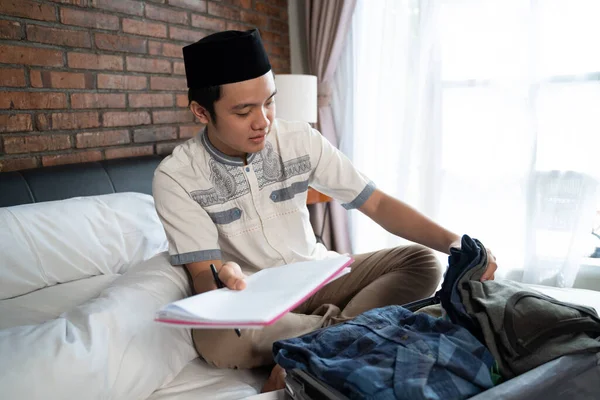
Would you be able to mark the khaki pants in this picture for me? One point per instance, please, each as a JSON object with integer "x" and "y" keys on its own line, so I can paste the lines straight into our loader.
{"x": 386, "y": 277}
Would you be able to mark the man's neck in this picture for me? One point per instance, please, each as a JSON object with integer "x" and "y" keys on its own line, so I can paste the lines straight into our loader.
{"x": 223, "y": 148}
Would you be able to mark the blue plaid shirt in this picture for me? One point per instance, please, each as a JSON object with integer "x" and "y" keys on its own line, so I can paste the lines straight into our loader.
{"x": 391, "y": 353}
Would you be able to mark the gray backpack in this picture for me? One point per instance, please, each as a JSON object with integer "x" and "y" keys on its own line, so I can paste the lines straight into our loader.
{"x": 524, "y": 328}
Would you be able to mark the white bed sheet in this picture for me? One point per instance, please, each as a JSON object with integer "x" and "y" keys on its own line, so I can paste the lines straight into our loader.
{"x": 198, "y": 380}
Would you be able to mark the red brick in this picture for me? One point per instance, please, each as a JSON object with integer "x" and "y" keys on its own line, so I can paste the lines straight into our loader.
{"x": 126, "y": 118}
{"x": 17, "y": 164}
{"x": 15, "y": 123}
{"x": 128, "y": 82}
{"x": 278, "y": 26}
{"x": 271, "y": 37}
{"x": 154, "y": 134}
{"x": 166, "y": 14}
{"x": 150, "y": 100}
{"x": 213, "y": 24}
{"x": 10, "y": 30}
{"x": 30, "y": 56}
{"x": 171, "y": 117}
{"x": 279, "y": 3}
{"x": 80, "y": 3}
{"x": 151, "y": 65}
{"x": 12, "y": 77}
{"x": 72, "y": 158}
{"x": 35, "y": 143}
{"x": 126, "y": 44}
{"x": 258, "y": 20}
{"x": 32, "y": 100}
{"x": 189, "y": 131}
{"x": 28, "y": 9}
{"x": 97, "y": 100}
{"x": 166, "y": 148}
{"x": 61, "y": 80}
{"x": 236, "y": 26}
{"x": 101, "y": 139}
{"x": 122, "y": 6}
{"x": 267, "y": 9}
{"x": 182, "y": 100}
{"x": 163, "y": 83}
{"x": 126, "y": 152}
{"x": 165, "y": 49}
{"x": 274, "y": 50}
{"x": 196, "y": 5}
{"x": 59, "y": 37}
{"x": 89, "y": 19}
{"x": 95, "y": 61}
{"x": 280, "y": 66}
{"x": 178, "y": 68}
{"x": 185, "y": 35}
{"x": 219, "y": 10}
{"x": 283, "y": 14}
{"x": 77, "y": 120}
{"x": 239, "y": 3}
{"x": 144, "y": 28}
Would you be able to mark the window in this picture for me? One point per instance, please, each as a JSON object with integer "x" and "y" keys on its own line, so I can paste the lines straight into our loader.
{"x": 520, "y": 75}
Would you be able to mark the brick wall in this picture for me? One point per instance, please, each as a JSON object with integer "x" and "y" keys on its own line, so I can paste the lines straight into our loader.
{"x": 85, "y": 80}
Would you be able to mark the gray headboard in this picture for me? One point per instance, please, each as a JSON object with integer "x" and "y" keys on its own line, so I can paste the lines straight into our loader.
{"x": 86, "y": 179}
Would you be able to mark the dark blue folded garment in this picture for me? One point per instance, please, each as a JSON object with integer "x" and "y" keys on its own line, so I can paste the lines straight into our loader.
{"x": 392, "y": 353}
{"x": 471, "y": 255}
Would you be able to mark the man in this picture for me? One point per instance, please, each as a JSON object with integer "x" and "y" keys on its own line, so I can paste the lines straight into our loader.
{"x": 235, "y": 196}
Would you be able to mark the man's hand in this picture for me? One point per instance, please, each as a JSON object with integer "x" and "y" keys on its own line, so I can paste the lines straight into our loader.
{"x": 232, "y": 276}
{"x": 203, "y": 280}
{"x": 492, "y": 266}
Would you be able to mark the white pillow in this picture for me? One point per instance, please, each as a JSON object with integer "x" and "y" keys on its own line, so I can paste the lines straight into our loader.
{"x": 107, "y": 348}
{"x": 60, "y": 241}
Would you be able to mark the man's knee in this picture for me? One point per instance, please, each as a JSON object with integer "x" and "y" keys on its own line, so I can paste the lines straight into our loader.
{"x": 420, "y": 260}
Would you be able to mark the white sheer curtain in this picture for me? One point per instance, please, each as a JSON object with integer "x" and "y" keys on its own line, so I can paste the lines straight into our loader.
{"x": 484, "y": 115}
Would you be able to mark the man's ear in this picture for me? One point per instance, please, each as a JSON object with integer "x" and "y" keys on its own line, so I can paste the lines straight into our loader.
{"x": 200, "y": 112}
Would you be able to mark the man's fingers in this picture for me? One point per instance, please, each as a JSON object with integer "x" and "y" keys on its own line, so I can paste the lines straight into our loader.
{"x": 232, "y": 276}
{"x": 492, "y": 266}
{"x": 240, "y": 284}
{"x": 490, "y": 271}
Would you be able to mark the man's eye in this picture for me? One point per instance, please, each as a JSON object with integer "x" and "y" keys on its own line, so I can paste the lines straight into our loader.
{"x": 243, "y": 114}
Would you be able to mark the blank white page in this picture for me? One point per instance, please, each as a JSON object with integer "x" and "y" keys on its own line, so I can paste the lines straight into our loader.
{"x": 269, "y": 294}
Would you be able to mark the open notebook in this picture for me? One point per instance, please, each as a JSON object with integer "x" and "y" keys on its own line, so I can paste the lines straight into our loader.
{"x": 268, "y": 296}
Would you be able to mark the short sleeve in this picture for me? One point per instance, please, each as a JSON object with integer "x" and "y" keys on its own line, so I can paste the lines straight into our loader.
{"x": 334, "y": 174}
{"x": 191, "y": 233}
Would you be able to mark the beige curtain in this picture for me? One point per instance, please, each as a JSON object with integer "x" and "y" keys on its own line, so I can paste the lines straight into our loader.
{"x": 327, "y": 24}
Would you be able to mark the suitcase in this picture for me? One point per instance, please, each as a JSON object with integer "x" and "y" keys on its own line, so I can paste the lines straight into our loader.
{"x": 575, "y": 376}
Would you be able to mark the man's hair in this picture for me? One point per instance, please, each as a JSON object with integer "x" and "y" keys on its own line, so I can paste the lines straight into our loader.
{"x": 206, "y": 97}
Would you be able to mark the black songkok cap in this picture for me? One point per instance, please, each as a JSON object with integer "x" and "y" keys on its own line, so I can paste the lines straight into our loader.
{"x": 225, "y": 57}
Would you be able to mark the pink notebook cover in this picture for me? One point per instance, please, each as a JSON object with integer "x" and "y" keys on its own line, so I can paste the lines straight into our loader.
{"x": 259, "y": 324}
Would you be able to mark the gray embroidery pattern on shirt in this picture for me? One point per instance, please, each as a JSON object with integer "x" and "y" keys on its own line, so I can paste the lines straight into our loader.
{"x": 270, "y": 168}
{"x": 228, "y": 183}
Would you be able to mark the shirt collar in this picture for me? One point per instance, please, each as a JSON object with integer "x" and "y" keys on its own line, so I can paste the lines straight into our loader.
{"x": 219, "y": 155}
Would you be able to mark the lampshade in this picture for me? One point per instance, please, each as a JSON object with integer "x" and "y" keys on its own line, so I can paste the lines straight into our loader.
{"x": 296, "y": 98}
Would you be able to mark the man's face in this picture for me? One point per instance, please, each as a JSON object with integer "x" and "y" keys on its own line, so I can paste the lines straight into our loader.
{"x": 244, "y": 115}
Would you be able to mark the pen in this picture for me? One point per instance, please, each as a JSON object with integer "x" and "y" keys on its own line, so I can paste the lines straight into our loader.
{"x": 220, "y": 285}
